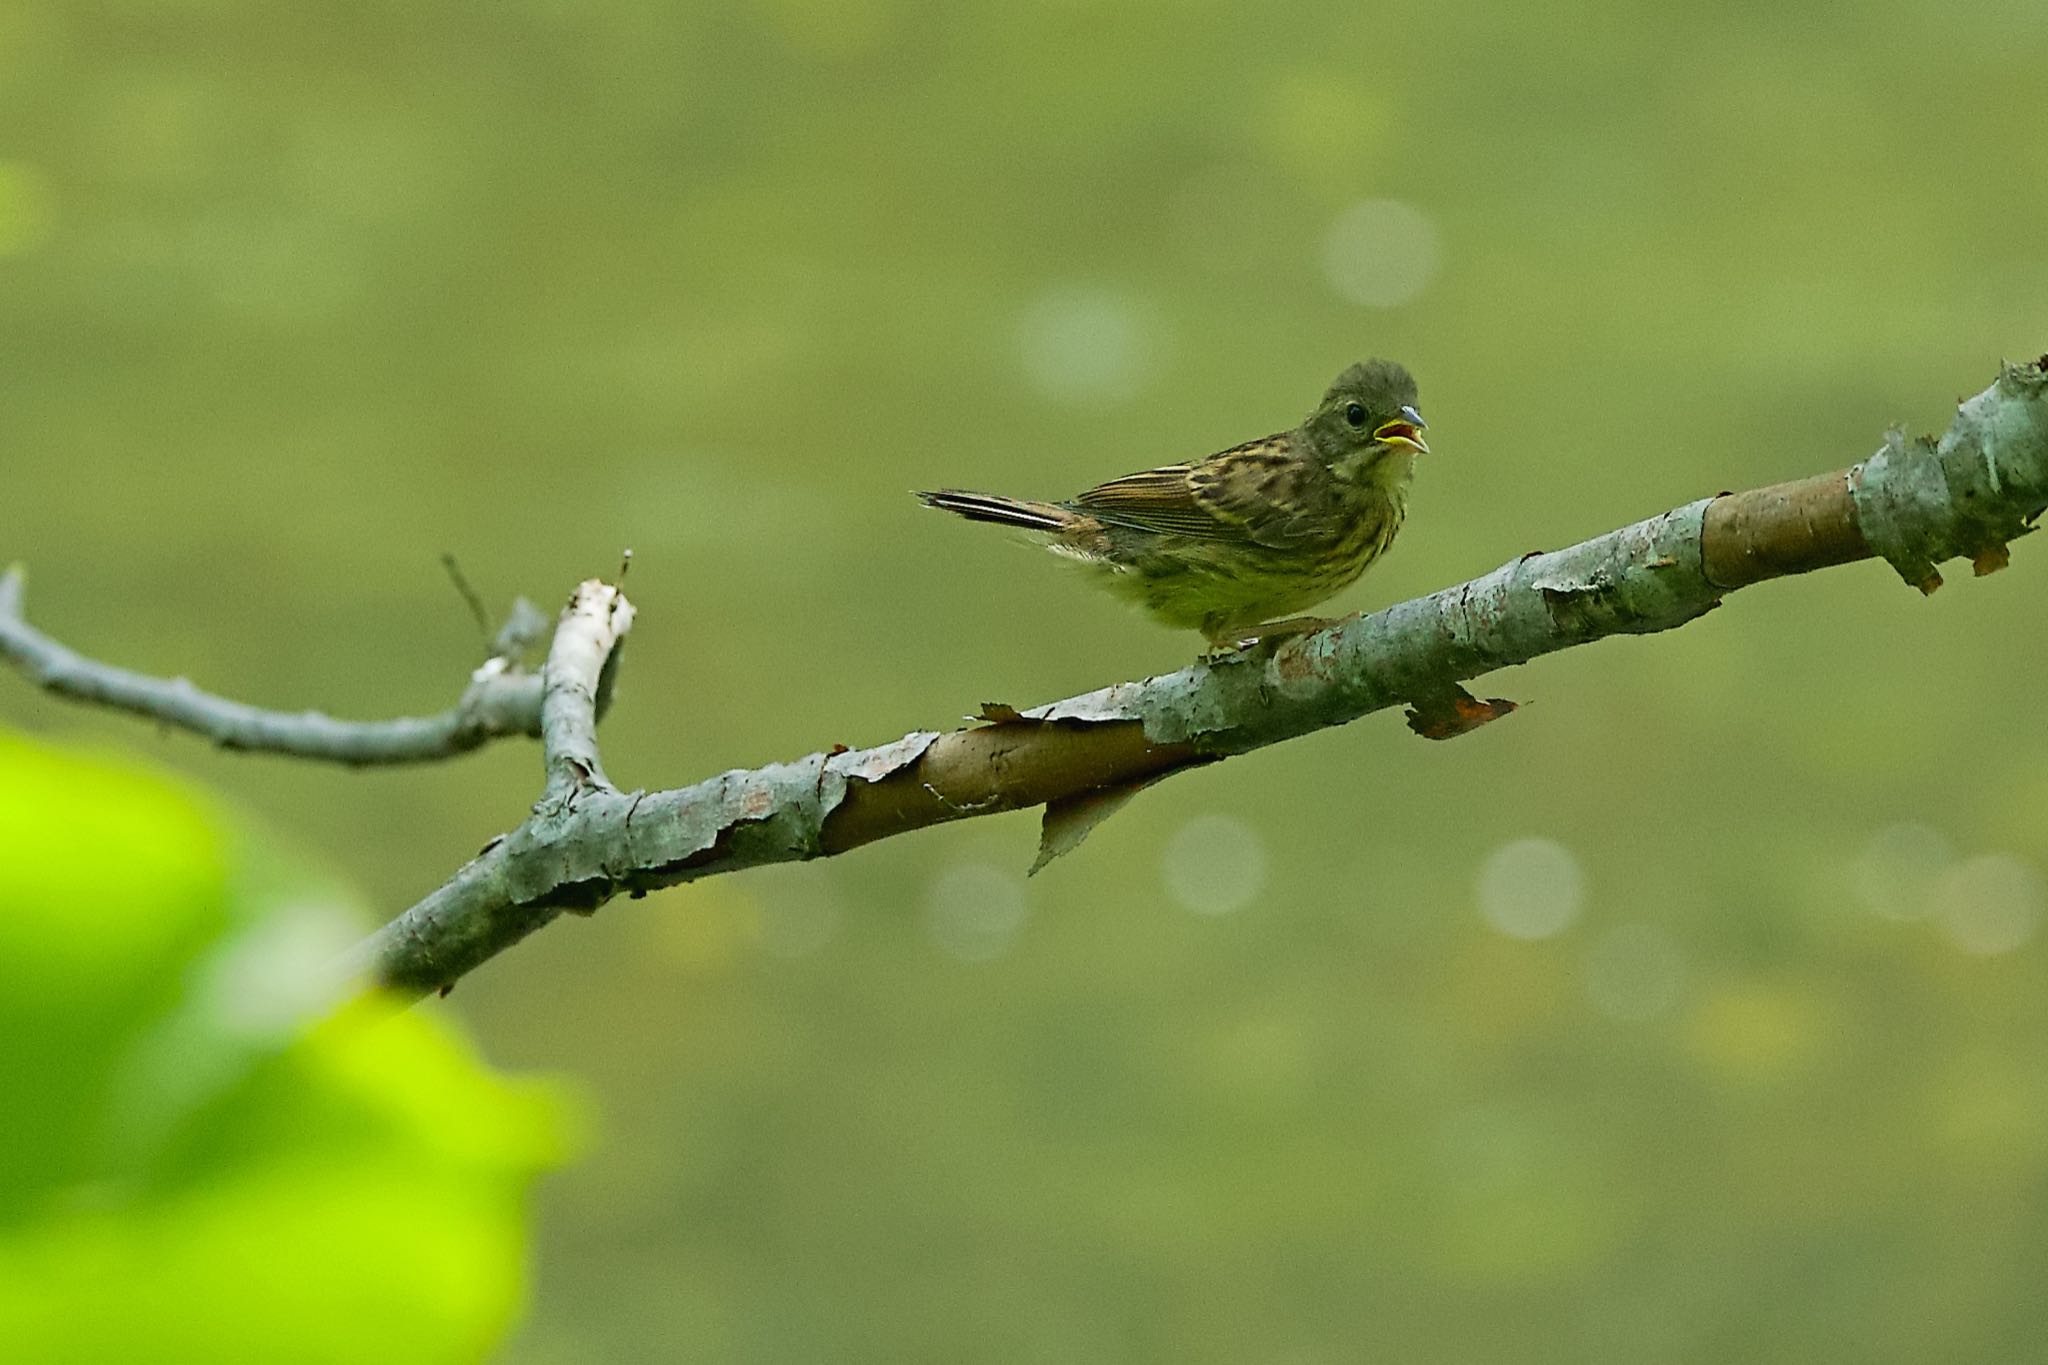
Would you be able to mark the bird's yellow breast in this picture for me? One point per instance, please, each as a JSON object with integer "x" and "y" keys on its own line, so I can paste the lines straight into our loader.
{"x": 1217, "y": 587}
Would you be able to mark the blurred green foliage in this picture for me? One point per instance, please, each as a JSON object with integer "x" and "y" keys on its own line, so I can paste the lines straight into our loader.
{"x": 294, "y": 298}
{"x": 195, "y": 1165}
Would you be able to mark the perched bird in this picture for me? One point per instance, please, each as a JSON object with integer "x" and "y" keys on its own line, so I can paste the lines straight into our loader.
{"x": 1250, "y": 533}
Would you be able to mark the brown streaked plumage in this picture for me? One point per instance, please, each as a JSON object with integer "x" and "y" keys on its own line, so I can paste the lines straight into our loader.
{"x": 1257, "y": 531}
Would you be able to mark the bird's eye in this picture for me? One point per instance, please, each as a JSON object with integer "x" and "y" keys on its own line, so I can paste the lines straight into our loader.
{"x": 1355, "y": 414}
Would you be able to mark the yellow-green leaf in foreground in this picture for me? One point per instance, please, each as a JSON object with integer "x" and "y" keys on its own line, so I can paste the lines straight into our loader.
{"x": 202, "y": 1156}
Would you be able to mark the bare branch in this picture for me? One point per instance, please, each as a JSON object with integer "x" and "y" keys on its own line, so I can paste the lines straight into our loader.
{"x": 483, "y": 909}
{"x": 593, "y": 626}
{"x": 468, "y": 594}
{"x": 525, "y": 627}
{"x": 1914, "y": 503}
{"x": 501, "y": 699}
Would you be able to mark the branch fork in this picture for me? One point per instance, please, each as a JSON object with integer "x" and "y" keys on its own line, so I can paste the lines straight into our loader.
{"x": 1916, "y": 504}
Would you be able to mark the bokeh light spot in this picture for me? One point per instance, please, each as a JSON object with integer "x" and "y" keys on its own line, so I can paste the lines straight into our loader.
{"x": 1380, "y": 253}
{"x": 1531, "y": 888}
{"x": 1758, "y": 1034}
{"x": 1634, "y": 972}
{"x": 1214, "y": 865}
{"x": 974, "y": 911}
{"x": 280, "y": 971}
{"x": 1087, "y": 346}
{"x": 1319, "y": 123}
{"x": 1990, "y": 904}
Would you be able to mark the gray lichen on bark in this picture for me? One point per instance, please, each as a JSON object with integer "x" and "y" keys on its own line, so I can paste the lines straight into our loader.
{"x": 1641, "y": 578}
{"x": 1650, "y": 576}
{"x": 1916, "y": 503}
{"x": 1923, "y": 501}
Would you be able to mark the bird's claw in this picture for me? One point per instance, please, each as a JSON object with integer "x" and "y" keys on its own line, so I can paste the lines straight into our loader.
{"x": 1272, "y": 636}
{"x": 1222, "y": 650}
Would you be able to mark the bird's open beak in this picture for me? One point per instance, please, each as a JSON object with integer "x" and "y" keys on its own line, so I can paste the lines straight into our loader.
{"x": 1405, "y": 430}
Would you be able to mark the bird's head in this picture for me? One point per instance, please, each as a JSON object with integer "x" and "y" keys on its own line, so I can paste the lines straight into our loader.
{"x": 1366, "y": 428}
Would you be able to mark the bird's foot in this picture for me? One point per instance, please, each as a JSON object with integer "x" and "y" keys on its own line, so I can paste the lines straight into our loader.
{"x": 1269, "y": 635}
{"x": 1274, "y": 632}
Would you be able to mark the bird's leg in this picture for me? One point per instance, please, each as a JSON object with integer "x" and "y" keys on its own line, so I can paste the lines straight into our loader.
{"x": 1226, "y": 642}
{"x": 1273, "y": 632}
{"x": 1234, "y": 640}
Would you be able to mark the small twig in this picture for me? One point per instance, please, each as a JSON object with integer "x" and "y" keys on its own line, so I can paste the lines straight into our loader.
{"x": 525, "y": 627}
{"x": 469, "y": 595}
{"x": 513, "y": 886}
{"x": 608, "y": 677}
{"x": 596, "y": 619}
{"x": 501, "y": 700}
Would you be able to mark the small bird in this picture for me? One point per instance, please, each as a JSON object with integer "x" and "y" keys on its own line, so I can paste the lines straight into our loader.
{"x": 1269, "y": 527}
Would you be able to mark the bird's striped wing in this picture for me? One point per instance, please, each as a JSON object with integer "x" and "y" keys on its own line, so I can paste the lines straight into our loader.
{"x": 1162, "y": 500}
{"x": 1251, "y": 492}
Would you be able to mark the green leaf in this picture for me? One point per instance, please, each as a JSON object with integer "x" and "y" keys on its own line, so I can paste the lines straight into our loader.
{"x": 207, "y": 1157}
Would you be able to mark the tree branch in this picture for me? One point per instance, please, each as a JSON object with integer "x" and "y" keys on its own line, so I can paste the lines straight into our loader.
{"x": 501, "y": 699}
{"x": 1916, "y": 503}
{"x": 583, "y": 655}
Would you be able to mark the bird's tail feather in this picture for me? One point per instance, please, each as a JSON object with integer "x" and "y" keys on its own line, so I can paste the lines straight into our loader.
{"x": 1032, "y": 516}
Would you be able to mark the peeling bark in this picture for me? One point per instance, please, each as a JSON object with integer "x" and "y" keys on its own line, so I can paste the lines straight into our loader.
{"x": 1916, "y": 504}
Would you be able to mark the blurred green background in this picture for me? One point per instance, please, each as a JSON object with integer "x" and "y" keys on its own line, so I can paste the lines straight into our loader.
{"x": 1697, "y": 1012}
